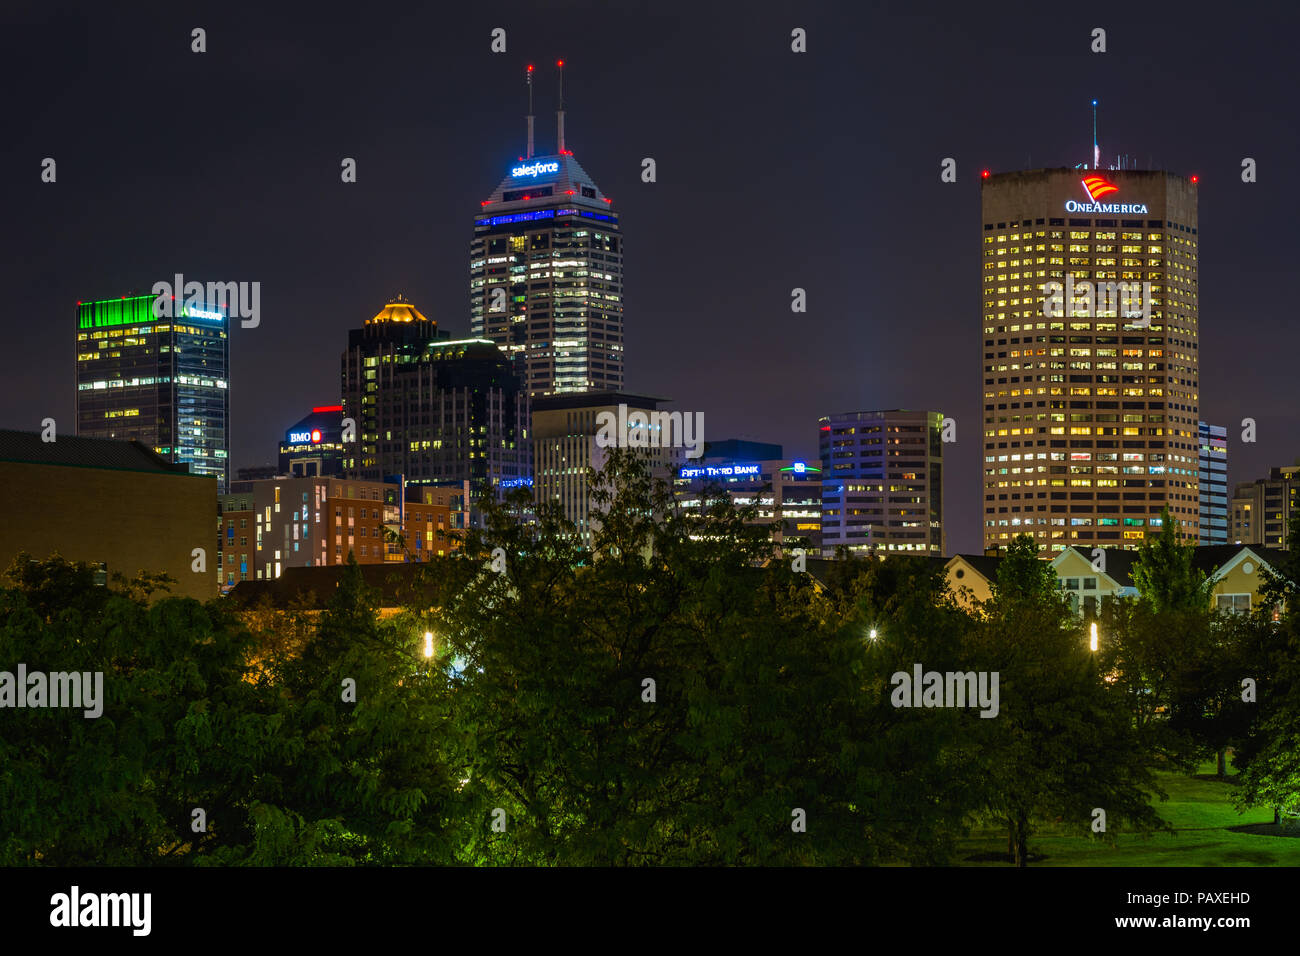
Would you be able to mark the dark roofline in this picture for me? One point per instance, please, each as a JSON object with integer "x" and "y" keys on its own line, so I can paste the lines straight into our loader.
{"x": 155, "y": 463}
{"x": 594, "y": 399}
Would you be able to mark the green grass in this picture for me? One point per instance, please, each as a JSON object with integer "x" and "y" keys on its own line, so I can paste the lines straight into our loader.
{"x": 1199, "y": 810}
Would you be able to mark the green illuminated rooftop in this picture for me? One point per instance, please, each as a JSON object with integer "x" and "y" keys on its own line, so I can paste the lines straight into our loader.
{"x": 105, "y": 313}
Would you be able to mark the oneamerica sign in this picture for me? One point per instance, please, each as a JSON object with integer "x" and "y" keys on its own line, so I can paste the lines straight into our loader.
{"x": 534, "y": 169}
{"x": 1138, "y": 209}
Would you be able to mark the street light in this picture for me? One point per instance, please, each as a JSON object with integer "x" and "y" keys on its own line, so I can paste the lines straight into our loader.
{"x": 428, "y": 643}
{"x": 873, "y": 635}
{"x": 1092, "y": 639}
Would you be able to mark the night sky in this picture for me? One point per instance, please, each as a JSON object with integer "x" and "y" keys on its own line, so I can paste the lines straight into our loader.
{"x": 775, "y": 170}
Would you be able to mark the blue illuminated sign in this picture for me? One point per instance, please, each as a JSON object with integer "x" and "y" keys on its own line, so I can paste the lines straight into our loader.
{"x": 534, "y": 169}
{"x": 518, "y": 217}
{"x": 516, "y": 483}
{"x": 720, "y": 471}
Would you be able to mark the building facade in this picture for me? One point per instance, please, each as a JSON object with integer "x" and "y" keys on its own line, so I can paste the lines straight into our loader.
{"x": 116, "y": 504}
{"x": 546, "y": 277}
{"x": 267, "y": 526}
{"x": 1262, "y": 509}
{"x": 787, "y": 494}
{"x": 163, "y": 382}
{"x": 565, "y": 430}
{"x": 314, "y": 445}
{"x": 432, "y": 410}
{"x": 1213, "y": 477}
{"x": 882, "y": 482}
{"x": 1090, "y": 393}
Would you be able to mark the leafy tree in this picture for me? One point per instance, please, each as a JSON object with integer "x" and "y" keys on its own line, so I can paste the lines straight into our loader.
{"x": 1063, "y": 743}
{"x": 1164, "y": 574}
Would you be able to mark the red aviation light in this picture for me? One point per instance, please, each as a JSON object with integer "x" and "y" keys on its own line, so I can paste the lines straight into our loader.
{"x": 986, "y": 174}
{"x": 1195, "y": 180}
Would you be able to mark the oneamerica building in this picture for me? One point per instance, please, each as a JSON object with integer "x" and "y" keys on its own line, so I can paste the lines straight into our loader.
{"x": 1090, "y": 407}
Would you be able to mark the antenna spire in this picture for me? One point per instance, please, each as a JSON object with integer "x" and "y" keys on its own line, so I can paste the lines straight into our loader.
{"x": 1096, "y": 150}
{"x": 530, "y": 111}
{"x": 559, "y": 114}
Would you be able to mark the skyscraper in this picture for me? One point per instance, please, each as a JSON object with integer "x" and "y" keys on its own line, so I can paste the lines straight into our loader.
{"x": 566, "y": 443}
{"x": 434, "y": 409}
{"x": 1090, "y": 394}
{"x": 546, "y": 274}
{"x": 1213, "y": 476}
{"x": 1262, "y": 509}
{"x": 161, "y": 381}
{"x": 882, "y": 482}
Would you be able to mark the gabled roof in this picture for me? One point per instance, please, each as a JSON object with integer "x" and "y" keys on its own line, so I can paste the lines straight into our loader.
{"x": 986, "y": 565}
{"x": 1118, "y": 562}
{"x": 1240, "y": 553}
{"x": 75, "y": 451}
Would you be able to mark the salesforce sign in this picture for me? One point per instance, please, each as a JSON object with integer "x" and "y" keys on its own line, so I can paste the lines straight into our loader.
{"x": 533, "y": 170}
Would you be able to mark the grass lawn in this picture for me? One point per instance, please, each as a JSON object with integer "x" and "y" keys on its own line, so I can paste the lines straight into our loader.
{"x": 1199, "y": 810}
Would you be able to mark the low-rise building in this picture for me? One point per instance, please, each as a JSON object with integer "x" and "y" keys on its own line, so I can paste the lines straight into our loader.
{"x": 117, "y": 504}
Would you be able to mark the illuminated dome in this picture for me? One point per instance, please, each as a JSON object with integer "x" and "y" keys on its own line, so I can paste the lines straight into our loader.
{"x": 399, "y": 310}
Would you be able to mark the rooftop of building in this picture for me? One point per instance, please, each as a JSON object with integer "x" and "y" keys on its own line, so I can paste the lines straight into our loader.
{"x": 567, "y": 400}
{"x": 548, "y": 180}
{"x": 74, "y": 451}
{"x": 396, "y": 584}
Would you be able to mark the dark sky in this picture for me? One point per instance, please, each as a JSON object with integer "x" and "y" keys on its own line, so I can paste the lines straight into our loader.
{"x": 775, "y": 170}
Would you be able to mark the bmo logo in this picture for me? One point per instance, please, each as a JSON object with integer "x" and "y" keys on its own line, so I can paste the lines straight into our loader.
{"x": 299, "y": 438}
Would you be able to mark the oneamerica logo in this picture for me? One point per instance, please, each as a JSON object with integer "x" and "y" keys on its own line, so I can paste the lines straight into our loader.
{"x": 535, "y": 169}
{"x": 1137, "y": 208}
{"x": 1096, "y": 187}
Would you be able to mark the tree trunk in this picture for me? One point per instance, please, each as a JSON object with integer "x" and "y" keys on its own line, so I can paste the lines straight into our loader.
{"x": 1020, "y": 854}
{"x": 1222, "y": 756}
{"x": 1011, "y": 841}
{"x": 1277, "y": 816}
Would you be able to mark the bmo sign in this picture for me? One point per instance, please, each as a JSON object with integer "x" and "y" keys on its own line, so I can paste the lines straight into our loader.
{"x": 302, "y": 438}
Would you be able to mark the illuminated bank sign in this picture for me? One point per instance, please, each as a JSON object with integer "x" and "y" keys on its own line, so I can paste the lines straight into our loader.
{"x": 1097, "y": 187}
{"x": 300, "y": 438}
{"x": 720, "y": 471}
{"x": 533, "y": 170}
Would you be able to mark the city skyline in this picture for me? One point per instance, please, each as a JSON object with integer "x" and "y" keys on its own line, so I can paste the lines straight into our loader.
{"x": 739, "y": 145}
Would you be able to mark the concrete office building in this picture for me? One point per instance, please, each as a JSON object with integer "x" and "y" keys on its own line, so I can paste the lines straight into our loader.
{"x": 546, "y": 273}
{"x": 1262, "y": 509}
{"x": 565, "y": 430}
{"x": 1213, "y": 477}
{"x": 431, "y": 409}
{"x": 882, "y": 482}
{"x": 164, "y": 382}
{"x": 1090, "y": 393}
